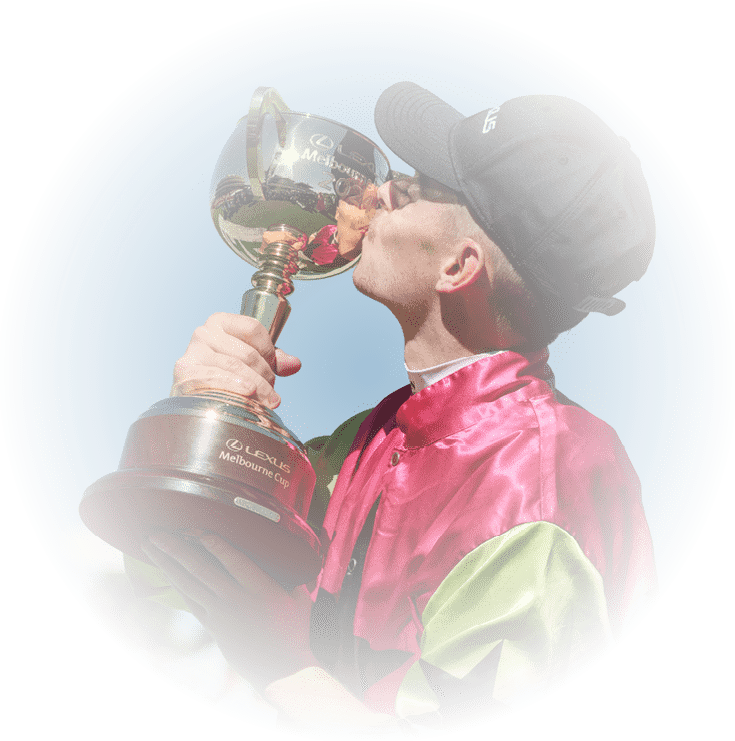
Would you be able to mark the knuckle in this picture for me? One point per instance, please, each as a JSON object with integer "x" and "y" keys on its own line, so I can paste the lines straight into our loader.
{"x": 217, "y": 319}
{"x": 250, "y": 323}
{"x": 251, "y": 356}
{"x": 252, "y": 329}
{"x": 182, "y": 367}
{"x": 232, "y": 365}
{"x": 200, "y": 334}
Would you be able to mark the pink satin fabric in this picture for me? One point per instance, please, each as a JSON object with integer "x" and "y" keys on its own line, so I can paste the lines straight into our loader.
{"x": 464, "y": 460}
{"x": 321, "y": 250}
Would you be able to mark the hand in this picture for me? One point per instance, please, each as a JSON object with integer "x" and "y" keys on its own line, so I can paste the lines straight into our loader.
{"x": 283, "y": 236}
{"x": 233, "y": 353}
{"x": 262, "y": 630}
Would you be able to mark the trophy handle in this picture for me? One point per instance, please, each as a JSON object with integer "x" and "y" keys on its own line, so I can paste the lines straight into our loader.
{"x": 265, "y": 100}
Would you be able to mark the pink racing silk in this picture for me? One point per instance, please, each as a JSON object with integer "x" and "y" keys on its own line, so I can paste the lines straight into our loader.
{"x": 463, "y": 461}
{"x": 322, "y": 245}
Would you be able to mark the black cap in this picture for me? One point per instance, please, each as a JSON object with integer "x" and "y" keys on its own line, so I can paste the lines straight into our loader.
{"x": 549, "y": 182}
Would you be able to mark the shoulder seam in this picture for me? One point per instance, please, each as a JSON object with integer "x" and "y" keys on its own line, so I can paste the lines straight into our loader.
{"x": 546, "y": 458}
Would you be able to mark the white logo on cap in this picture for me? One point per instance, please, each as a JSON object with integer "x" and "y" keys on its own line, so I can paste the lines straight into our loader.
{"x": 490, "y": 119}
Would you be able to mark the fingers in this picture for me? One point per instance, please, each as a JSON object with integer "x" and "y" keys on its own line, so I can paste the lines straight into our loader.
{"x": 244, "y": 571}
{"x": 283, "y": 236}
{"x": 197, "y": 577}
{"x": 261, "y": 630}
{"x": 253, "y": 336}
{"x": 233, "y": 353}
{"x": 286, "y": 365}
{"x": 246, "y": 329}
{"x": 206, "y": 564}
{"x": 212, "y": 370}
{"x": 215, "y": 339}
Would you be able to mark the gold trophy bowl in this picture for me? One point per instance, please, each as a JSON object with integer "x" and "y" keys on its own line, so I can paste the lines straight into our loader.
{"x": 214, "y": 460}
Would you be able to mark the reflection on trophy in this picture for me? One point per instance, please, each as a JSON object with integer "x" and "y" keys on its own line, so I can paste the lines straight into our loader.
{"x": 291, "y": 194}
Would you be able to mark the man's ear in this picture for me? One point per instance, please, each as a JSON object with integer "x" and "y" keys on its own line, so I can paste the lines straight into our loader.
{"x": 463, "y": 269}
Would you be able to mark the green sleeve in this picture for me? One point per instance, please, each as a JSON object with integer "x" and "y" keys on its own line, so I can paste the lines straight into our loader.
{"x": 510, "y": 618}
{"x": 326, "y": 453}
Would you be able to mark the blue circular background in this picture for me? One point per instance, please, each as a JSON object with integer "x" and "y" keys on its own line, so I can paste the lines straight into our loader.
{"x": 121, "y": 262}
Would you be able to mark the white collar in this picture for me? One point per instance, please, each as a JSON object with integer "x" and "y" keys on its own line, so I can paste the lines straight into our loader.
{"x": 424, "y": 377}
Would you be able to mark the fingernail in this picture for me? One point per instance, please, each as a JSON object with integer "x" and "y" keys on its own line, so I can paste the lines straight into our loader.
{"x": 274, "y": 400}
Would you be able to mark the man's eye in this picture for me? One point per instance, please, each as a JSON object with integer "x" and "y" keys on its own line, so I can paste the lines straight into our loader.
{"x": 399, "y": 196}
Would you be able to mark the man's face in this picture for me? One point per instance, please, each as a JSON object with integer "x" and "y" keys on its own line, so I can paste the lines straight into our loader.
{"x": 405, "y": 245}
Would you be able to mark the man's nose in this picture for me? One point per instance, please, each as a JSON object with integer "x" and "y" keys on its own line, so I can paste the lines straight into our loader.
{"x": 384, "y": 196}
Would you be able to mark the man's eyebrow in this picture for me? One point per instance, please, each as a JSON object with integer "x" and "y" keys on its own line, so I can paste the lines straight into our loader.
{"x": 428, "y": 184}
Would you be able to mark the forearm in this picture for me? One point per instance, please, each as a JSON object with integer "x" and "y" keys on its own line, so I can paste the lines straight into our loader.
{"x": 312, "y": 698}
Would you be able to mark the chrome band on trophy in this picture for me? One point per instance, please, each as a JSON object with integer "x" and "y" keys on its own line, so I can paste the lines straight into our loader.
{"x": 218, "y": 461}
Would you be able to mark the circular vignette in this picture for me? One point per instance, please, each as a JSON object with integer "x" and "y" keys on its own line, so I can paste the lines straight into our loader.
{"x": 132, "y": 409}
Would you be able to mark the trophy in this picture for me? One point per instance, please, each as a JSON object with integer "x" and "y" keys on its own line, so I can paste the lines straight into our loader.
{"x": 215, "y": 460}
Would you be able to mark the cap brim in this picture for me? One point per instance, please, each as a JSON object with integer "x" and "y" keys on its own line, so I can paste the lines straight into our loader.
{"x": 415, "y": 125}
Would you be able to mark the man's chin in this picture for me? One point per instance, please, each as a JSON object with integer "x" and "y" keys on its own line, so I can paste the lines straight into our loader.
{"x": 368, "y": 286}
{"x": 362, "y": 286}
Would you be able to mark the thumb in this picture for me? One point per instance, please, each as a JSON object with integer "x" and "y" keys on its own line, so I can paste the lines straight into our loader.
{"x": 286, "y": 365}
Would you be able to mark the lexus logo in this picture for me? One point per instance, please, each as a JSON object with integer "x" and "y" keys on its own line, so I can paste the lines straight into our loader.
{"x": 321, "y": 141}
{"x": 234, "y": 445}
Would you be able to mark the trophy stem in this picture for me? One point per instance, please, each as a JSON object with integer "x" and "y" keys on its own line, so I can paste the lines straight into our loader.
{"x": 272, "y": 282}
{"x": 270, "y": 310}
